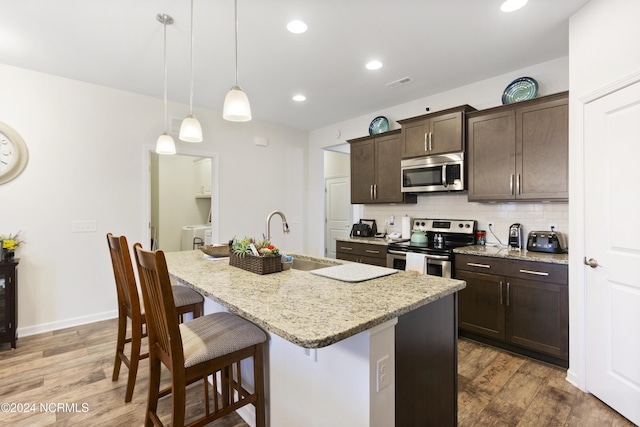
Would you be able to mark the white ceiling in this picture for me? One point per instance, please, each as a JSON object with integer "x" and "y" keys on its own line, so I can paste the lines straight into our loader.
{"x": 441, "y": 44}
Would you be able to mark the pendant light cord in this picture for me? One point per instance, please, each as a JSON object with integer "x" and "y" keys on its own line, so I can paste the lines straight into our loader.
{"x": 191, "y": 89}
{"x": 236, "y": 13}
{"x": 165, "y": 74}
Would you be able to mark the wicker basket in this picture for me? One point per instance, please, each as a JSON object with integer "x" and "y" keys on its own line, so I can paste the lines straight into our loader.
{"x": 257, "y": 264}
{"x": 215, "y": 250}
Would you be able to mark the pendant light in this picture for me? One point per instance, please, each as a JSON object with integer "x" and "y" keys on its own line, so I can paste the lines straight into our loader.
{"x": 190, "y": 130}
{"x": 165, "y": 144}
{"x": 236, "y": 104}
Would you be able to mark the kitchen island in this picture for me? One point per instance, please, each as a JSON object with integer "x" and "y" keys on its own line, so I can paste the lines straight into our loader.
{"x": 339, "y": 352}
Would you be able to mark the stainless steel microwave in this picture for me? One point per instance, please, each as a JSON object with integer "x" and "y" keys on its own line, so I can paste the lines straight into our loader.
{"x": 444, "y": 172}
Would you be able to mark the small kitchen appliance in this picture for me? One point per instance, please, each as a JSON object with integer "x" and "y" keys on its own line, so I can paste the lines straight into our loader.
{"x": 445, "y": 172}
{"x": 515, "y": 236}
{"x": 442, "y": 236}
{"x": 546, "y": 241}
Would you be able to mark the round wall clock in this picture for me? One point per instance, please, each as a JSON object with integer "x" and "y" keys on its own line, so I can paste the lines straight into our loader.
{"x": 13, "y": 153}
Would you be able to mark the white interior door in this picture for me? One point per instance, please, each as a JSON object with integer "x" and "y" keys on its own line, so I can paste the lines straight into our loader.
{"x": 339, "y": 213}
{"x": 612, "y": 242}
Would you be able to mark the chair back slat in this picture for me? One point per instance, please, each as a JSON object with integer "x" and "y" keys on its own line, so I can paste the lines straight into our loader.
{"x": 128, "y": 296}
{"x": 162, "y": 316}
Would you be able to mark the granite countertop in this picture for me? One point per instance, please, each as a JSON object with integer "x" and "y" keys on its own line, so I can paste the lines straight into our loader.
{"x": 303, "y": 308}
{"x": 370, "y": 240}
{"x": 519, "y": 254}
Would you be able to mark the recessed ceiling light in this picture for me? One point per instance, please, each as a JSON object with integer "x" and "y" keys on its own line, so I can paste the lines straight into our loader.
{"x": 299, "y": 98}
{"x": 373, "y": 65}
{"x": 512, "y": 5}
{"x": 297, "y": 27}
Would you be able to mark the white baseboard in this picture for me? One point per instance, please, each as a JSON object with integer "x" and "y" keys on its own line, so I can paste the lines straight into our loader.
{"x": 67, "y": 323}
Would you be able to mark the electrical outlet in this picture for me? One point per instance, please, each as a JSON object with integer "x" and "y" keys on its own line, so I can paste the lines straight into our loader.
{"x": 383, "y": 373}
{"x": 490, "y": 225}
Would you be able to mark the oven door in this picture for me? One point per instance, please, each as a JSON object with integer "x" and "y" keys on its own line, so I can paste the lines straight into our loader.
{"x": 437, "y": 265}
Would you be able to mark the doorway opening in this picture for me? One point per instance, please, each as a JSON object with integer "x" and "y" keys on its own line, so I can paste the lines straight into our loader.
{"x": 339, "y": 212}
{"x": 183, "y": 200}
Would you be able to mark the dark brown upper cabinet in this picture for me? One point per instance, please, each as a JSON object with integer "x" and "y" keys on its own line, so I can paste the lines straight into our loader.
{"x": 519, "y": 151}
{"x": 434, "y": 133}
{"x": 375, "y": 169}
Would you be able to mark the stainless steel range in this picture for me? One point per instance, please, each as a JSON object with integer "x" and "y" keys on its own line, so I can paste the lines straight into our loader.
{"x": 443, "y": 235}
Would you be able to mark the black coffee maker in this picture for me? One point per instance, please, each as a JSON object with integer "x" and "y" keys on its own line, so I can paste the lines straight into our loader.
{"x": 515, "y": 236}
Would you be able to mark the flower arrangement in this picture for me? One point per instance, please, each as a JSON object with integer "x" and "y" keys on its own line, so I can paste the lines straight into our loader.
{"x": 263, "y": 247}
{"x": 12, "y": 241}
{"x": 9, "y": 245}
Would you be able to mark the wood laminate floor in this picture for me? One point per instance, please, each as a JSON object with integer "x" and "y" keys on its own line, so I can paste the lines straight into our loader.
{"x": 73, "y": 367}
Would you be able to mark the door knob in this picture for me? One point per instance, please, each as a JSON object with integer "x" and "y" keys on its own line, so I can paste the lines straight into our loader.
{"x": 591, "y": 262}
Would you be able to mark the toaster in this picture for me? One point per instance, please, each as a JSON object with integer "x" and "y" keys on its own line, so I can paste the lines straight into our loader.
{"x": 546, "y": 241}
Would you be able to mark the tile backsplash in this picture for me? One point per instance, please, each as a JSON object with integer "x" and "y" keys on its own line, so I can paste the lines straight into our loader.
{"x": 532, "y": 216}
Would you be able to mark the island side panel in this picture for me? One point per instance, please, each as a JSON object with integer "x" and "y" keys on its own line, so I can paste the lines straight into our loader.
{"x": 427, "y": 365}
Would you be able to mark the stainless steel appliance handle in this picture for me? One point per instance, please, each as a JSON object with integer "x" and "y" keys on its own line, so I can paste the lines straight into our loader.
{"x": 396, "y": 252}
{"x": 537, "y": 273}
{"x": 444, "y": 176}
{"x": 473, "y": 264}
{"x": 442, "y": 257}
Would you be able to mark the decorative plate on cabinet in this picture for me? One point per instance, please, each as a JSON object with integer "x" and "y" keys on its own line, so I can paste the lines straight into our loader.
{"x": 378, "y": 125}
{"x": 520, "y": 89}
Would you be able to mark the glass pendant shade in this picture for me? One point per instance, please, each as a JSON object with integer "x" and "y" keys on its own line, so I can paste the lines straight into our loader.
{"x": 190, "y": 130}
{"x": 165, "y": 145}
{"x": 236, "y": 106}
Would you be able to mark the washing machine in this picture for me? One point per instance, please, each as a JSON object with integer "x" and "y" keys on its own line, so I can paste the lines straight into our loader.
{"x": 193, "y": 236}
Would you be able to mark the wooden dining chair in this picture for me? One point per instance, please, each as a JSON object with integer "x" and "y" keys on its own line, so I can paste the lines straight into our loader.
{"x": 130, "y": 306}
{"x": 210, "y": 345}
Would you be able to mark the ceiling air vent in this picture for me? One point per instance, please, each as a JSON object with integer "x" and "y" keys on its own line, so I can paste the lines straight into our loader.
{"x": 400, "y": 82}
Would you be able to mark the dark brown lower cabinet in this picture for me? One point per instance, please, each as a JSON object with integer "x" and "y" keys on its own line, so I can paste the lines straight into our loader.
{"x": 521, "y": 306}
{"x": 427, "y": 365}
{"x": 366, "y": 253}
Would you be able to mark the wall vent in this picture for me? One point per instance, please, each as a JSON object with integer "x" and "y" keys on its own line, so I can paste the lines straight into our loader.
{"x": 400, "y": 82}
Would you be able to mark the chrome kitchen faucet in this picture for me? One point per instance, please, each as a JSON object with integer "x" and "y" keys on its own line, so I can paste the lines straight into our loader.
{"x": 285, "y": 226}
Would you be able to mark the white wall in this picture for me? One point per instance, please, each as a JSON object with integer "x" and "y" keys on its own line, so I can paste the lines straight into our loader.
{"x": 603, "y": 53}
{"x": 552, "y": 77}
{"x": 87, "y": 150}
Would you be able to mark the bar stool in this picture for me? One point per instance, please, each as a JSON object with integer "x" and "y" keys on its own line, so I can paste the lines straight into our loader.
{"x": 130, "y": 307}
{"x": 210, "y": 345}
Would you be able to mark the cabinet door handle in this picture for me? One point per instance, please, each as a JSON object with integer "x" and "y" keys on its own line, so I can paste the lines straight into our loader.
{"x": 473, "y": 264}
{"x": 430, "y": 141}
{"x": 346, "y": 248}
{"x": 537, "y": 273}
{"x": 508, "y": 296}
{"x": 511, "y": 185}
{"x": 375, "y": 191}
{"x": 518, "y": 185}
{"x": 371, "y": 251}
{"x": 501, "y": 302}
{"x": 425, "y": 141}
{"x": 371, "y": 192}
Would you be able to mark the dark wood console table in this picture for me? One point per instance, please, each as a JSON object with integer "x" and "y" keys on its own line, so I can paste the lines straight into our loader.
{"x": 9, "y": 301}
